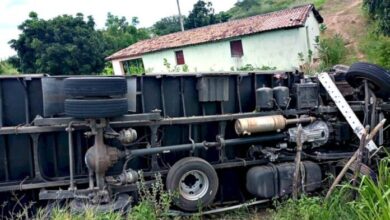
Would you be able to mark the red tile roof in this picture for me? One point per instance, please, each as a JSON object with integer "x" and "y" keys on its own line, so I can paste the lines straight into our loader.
{"x": 288, "y": 18}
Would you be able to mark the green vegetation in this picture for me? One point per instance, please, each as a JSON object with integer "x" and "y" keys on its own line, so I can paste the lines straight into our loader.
{"x": 167, "y": 25}
{"x": 202, "y": 14}
{"x": 372, "y": 202}
{"x": 119, "y": 34}
{"x": 70, "y": 45}
{"x": 7, "y": 68}
{"x": 379, "y": 10}
{"x": 331, "y": 51}
{"x": 250, "y": 67}
{"x": 376, "y": 43}
{"x": 154, "y": 202}
{"x": 376, "y": 47}
{"x": 134, "y": 67}
{"x": 248, "y": 8}
{"x": 62, "y": 45}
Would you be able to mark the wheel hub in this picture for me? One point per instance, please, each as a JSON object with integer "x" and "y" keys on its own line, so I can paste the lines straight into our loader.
{"x": 193, "y": 185}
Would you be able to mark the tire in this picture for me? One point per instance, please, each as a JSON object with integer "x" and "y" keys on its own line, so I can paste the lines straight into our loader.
{"x": 95, "y": 86}
{"x": 377, "y": 77}
{"x": 95, "y": 108}
{"x": 192, "y": 174}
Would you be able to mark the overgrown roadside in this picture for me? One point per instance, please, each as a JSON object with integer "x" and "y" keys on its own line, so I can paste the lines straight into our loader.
{"x": 363, "y": 38}
{"x": 346, "y": 19}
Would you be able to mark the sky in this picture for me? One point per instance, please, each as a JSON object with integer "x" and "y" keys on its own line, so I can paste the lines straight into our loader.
{"x": 14, "y": 12}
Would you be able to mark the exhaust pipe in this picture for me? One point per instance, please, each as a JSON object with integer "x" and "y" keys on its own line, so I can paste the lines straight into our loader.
{"x": 266, "y": 123}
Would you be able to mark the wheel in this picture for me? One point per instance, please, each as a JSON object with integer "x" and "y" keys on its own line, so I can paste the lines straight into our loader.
{"x": 377, "y": 77}
{"x": 196, "y": 182}
{"x": 95, "y": 86}
{"x": 95, "y": 108}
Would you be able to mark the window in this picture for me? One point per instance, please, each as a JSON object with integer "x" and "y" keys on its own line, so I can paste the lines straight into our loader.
{"x": 134, "y": 67}
{"x": 236, "y": 48}
{"x": 179, "y": 57}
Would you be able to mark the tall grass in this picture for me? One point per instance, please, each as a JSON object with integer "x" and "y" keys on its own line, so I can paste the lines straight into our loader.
{"x": 372, "y": 202}
{"x": 374, "y": 195}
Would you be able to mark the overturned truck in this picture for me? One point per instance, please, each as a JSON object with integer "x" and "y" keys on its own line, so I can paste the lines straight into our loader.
{"x": 214, "y": 138}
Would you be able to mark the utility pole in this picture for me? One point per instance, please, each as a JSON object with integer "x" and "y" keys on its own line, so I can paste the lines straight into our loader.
{"x": 180, "y": 17}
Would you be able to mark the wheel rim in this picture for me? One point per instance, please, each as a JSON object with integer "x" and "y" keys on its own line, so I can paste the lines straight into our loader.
{"x": 193, "y": 185}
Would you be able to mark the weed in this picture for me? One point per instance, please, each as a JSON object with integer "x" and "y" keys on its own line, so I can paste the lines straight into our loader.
{"x": 373, "y": 201}
{"x": 332, "y": 51}
{"x": 186, "y": 68}
{"x": 167, "y": 64}
{"x": 154, "y": 201}
{"x": 250, "y": 67}
{"x": 307, "y": 66}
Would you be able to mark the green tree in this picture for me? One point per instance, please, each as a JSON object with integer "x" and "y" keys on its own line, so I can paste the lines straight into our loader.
{"x": 203, "y": 14}
{"x": 119, "y": 34}
{"x": 167, "y": 25}
{"x": 62, "y": 45}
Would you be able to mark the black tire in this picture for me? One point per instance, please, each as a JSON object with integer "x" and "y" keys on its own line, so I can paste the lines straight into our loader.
{"x": 181, "y": 169}
{"x": 95, "y": 108}
{"x": 95, "y": 86}
{"x": 377, "y": 77}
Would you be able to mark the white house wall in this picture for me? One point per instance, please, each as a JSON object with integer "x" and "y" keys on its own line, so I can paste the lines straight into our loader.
{"x": 277, "y": 48}
{"x": 314, "y": 32}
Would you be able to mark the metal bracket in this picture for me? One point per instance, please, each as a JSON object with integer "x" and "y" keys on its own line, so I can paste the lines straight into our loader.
{"x": 344, "y": 107}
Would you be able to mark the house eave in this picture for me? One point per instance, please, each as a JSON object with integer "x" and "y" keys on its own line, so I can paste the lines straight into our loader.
{"x": 126, "y": 57}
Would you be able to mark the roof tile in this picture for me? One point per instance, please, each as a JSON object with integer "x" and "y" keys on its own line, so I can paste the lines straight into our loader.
{"x": 288, "y": 18}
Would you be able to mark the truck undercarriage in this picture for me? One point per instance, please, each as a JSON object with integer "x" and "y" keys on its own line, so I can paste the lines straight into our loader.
{"x": 214, "y": 138}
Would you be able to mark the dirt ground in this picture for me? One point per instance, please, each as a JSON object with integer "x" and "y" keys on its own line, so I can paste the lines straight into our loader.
{"x": 345, "y": 17}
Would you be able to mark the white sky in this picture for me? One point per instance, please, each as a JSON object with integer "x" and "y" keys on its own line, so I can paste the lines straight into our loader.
{"x": 14, "y": 12}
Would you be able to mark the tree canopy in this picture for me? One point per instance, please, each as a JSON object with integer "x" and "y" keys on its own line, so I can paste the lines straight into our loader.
{"x": 67, "y": 45}
{"x": 62, "y": 45}
{"x": 201, "y": 15}
{"x": 118, "y": 33}
{"x": 167, "y": 25}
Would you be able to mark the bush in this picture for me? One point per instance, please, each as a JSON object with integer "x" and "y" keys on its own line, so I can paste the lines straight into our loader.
{"x": 332, "y": 51}
{"x": 376, "y": 47}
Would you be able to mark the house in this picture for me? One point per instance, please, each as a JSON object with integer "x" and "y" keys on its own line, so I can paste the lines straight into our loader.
{"x": 271, "y": 40}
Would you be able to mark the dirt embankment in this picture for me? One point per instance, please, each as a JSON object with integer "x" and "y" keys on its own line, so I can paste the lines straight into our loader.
{"x": 345, "y": 17}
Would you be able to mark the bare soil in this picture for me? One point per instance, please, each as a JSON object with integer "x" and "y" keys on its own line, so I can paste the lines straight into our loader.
{"x": 345, "y": 17}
